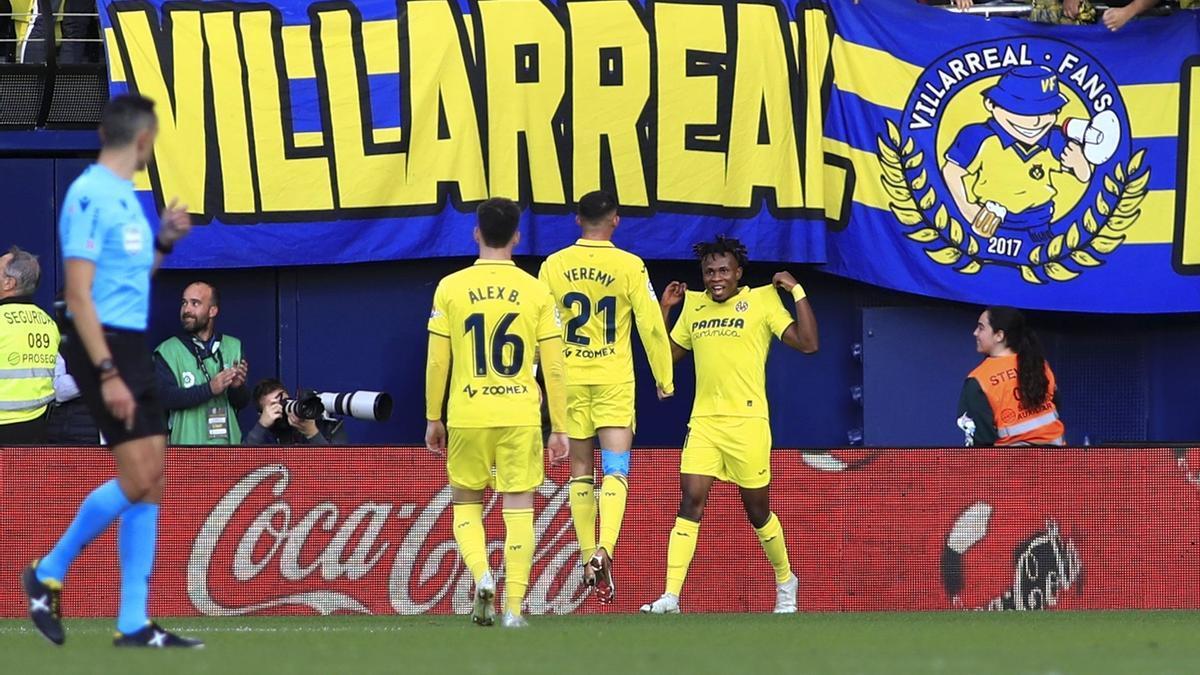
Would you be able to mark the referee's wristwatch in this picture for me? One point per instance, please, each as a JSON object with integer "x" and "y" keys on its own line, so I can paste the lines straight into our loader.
{"x": 106, "y": 369}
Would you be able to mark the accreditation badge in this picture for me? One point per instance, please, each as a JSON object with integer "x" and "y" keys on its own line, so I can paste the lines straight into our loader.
{"x": 218, "y": 423}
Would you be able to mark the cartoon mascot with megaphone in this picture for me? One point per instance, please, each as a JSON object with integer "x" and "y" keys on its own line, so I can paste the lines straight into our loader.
{"x": 999, "y": 171}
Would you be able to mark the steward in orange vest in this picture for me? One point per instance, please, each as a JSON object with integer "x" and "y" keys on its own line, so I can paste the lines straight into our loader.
{"x": 1009, "y": 398}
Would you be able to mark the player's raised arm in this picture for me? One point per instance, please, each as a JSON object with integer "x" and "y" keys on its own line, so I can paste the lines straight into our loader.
{"x": 652, "y": 329}
{"x": 801, "y": 335}
{"x": 673, "y": 295}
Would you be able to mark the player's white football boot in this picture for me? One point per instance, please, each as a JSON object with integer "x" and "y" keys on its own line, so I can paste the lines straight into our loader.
{"x": 483, "y": 612}
{"x": 667, "y": 604}
{"x": 785, "y": 596}
{"x": 510, "y": 620}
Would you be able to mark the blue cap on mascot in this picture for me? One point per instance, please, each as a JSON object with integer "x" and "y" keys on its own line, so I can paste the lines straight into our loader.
{"x": 1027, "y": 90}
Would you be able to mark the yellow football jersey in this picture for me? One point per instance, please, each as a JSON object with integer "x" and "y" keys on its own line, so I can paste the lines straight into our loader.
{"x": 1015, "y": 175}
{"x": 495, "y": 315}
{"x": 730, "y": 341}
{"x": 601, "y": 290}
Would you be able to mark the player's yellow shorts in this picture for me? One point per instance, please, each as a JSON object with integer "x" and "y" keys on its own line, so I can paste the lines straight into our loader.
{"x": 507, "y": 458}
{"x": 732, "y": 449}
{"x": 592, "y": 406}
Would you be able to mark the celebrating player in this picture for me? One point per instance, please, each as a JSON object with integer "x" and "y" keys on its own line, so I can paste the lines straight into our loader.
{"x": 110, "y": 254}
{"x": 597, "y": 287}
{"x": 729, "y": 329}
{"x": 486, "y": 324}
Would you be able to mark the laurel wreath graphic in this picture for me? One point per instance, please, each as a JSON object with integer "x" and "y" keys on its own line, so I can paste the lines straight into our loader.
{"x": 947, "y": 242}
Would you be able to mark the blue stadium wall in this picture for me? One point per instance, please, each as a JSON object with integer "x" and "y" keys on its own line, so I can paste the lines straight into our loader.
{"x": 363, "y": 327}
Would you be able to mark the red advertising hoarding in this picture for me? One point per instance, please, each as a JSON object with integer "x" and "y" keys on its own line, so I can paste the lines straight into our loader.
{"x": 367, "y": 530}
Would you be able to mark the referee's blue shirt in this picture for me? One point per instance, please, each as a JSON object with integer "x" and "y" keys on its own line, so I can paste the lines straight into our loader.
{"x": 102, "y": 221}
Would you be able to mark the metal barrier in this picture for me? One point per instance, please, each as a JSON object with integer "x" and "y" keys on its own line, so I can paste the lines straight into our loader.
{"x": 49, "y": 82}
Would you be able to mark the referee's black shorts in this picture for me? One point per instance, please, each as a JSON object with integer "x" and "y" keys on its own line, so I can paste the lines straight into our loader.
{"x": 136, "y": 366}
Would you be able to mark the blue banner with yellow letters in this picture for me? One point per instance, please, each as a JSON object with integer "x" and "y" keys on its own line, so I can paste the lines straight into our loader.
{"x": 990, "y": 161}
{"x": 328, "y": 132}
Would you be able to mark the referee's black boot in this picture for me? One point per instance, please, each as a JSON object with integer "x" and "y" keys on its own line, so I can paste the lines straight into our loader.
{"x": 155, "y": 637}
{"x": 44, "y": 609}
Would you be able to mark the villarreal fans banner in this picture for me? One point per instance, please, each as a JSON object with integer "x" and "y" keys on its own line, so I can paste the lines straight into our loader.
{"x": 1004, "y": 161}
{"x": 908, "y": 147}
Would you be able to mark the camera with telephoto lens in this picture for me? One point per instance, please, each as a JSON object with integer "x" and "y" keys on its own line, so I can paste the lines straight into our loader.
{"x": 306, "y": 406}
{"x": 373, "y": 406}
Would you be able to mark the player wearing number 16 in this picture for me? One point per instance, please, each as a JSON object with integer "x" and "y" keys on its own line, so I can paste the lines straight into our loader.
{"x": 488, "y": 321}
{"x": 601, "y": 290}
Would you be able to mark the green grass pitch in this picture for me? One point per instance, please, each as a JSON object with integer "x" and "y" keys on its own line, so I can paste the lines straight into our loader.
{"x": 1061, "y": 643}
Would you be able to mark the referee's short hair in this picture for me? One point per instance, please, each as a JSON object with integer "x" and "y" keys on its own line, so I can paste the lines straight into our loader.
{"x": 498, "y": 219}
{"x": 124, "y": 117}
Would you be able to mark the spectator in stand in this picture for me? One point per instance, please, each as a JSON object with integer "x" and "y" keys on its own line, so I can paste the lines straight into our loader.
{"x": 1062, "y": 12}
{"x": 1082, "y": 12}
{"x": 8, "y": 32}
{"x": 77, "y": 22}
{"x": 1116, "y": 17}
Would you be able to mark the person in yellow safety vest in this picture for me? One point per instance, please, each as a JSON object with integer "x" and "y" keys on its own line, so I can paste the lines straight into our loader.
{"x": 1010, "y": 398}
{"x": 28, "y": 349}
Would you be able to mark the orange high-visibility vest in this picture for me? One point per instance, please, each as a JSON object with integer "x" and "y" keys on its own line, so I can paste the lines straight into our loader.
{"x": 997, "y": 376}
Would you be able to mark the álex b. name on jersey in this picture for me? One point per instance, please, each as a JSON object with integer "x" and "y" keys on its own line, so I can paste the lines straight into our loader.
{"x": 493, "y": 293}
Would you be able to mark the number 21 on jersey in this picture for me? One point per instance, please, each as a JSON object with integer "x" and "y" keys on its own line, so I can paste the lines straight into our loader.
{"x": 581, "y": 307}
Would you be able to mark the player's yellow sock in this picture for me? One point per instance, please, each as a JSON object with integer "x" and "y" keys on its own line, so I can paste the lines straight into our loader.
{"x": 680, "y": 551}
{"x": 583, "y": 513}
{"x": 771, "y": 538}
{"x": 470, "y": 537}
{"x": 518, "y": 556}
{"x": 613, "y": 493}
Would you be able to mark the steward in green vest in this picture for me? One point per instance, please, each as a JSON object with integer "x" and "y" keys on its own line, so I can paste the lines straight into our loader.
{"x": 28, "y": 348}
{"x": 202, "y": 374}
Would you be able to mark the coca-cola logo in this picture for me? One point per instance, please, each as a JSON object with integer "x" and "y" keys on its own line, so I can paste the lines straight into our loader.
{"x": 1045, "y": 565}
{"x": 271, "y": 558}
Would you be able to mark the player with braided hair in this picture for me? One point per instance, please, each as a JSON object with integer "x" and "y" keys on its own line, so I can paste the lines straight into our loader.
{"x": 729, "y": 329}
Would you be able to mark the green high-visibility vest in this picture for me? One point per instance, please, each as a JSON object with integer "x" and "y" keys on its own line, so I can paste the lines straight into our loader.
{"x": 193, "y": 367}
{"x": 28, "y": 349}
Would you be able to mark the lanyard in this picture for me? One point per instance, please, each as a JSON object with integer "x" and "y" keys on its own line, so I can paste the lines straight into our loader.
{"x": 200, "y": 352}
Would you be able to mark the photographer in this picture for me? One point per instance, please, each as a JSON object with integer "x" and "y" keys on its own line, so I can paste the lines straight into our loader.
{"x": 275, "y": 427}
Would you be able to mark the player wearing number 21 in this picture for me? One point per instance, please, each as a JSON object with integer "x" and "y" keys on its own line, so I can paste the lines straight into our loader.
{"x": 601, "y": 291}
{"x": 488, "y": 321}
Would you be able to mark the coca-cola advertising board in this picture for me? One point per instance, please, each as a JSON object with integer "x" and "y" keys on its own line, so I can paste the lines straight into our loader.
{"x": 368, "y": 530}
